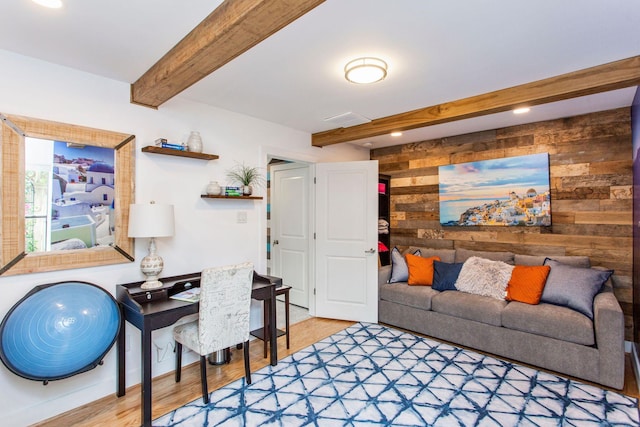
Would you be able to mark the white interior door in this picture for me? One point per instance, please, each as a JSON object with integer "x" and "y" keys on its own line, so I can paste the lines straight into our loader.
{"x": 347, "y": 240}
{"x": 290, "y": 229}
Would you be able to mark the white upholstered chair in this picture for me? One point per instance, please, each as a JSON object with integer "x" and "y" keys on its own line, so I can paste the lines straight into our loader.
{"x": 223, "y": 319}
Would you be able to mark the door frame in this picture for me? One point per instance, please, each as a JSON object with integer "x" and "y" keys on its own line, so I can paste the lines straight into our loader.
{"x": 266, "y": 154}
{"x": 276, "y": 233}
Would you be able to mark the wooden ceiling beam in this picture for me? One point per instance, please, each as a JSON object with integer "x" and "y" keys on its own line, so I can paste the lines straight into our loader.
{"x": 231, "y": 29}
{"x": 601, "y": 78}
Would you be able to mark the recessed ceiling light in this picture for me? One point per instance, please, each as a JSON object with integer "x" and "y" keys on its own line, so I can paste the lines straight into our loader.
{"x": 365, "y": 70}
{"x": 51, "y": 4}
{"x": 522, "y": 110}
{"x": 396, "y": 133}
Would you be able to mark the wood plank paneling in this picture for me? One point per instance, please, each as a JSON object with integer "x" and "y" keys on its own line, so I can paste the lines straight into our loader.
{"x": 591, "y": 192}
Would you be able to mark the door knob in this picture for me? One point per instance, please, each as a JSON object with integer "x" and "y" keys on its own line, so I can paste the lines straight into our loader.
{"x": 275, "y": 242}
{"x": 370, "y": 251}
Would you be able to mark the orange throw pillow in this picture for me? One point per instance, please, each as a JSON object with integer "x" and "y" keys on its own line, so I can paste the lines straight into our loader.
{"x": 527, "y": 283}
{"x": 420, "y": 269}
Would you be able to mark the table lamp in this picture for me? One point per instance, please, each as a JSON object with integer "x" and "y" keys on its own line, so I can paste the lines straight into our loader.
{"x": 151, "y": 220}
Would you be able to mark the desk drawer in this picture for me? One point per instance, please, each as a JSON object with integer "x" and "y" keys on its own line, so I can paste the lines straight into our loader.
{"x": 150, "y": 295}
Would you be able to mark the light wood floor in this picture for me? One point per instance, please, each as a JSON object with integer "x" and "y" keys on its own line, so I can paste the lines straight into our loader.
{"x": 169, "y": 395}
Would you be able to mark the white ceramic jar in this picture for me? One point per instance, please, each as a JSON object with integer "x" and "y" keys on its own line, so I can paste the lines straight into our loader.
{"x": 214, "y": 189}
{"x": 194, "y": 143}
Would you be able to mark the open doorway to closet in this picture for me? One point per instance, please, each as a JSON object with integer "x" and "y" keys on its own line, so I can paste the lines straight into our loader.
{"x": 289, "y": 231}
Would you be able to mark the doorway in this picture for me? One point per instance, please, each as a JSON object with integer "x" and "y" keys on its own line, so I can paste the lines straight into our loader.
{"x": 346, "y": 201}
{"x": 290, "y": 230}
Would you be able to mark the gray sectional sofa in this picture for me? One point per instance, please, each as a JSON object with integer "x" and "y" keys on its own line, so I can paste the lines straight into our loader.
{"x": 549, "y": 336}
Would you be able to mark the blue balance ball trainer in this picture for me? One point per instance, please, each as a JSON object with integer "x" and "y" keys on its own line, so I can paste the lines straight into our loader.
{"x": 59, "y": 330}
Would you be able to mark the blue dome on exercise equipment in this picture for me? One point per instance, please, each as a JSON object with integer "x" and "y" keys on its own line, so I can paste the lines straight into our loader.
{"x": 59, "y": 330}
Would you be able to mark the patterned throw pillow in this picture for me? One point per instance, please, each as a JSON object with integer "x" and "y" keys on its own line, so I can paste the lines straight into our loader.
{"x": 527, "y": 283}
{"x": 399, "y": 269}
{"x": 420, "y": 269}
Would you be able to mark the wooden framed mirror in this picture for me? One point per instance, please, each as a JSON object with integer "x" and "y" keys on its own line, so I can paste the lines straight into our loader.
{"x": 15, "y": 257}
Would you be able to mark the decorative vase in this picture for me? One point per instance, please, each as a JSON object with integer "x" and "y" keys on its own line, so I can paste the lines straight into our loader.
{"x": 246, "y": 190}
{"x": 194, "y": 143}
{"x": 214, "y": 189}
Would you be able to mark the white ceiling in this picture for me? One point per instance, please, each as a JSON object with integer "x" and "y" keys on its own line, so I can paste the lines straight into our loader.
{"x": 437, "y": 51}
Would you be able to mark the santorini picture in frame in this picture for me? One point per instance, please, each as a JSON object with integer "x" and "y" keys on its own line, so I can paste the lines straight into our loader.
{"x": 512, "y": 191}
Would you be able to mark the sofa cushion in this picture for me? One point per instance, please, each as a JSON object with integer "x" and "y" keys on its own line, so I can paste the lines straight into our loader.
{"x": 549, "y": 320}
{"x": 412, "y": 296}
{"x": 469, "y": 306}
{"x": 446, "y": 255}
{"x": 483, "y": 276}
{"x": 576, "y": 261}
{"x": 573, "y": 287}
{"x": 420, "y": 269}
{"x": 445, "y": 275}
{"x": 399, "y": 269}
{"x": 463, "y": 254}
{"x": 527, "y": 283}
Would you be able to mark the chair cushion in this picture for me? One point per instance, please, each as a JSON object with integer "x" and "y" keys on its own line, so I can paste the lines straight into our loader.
{"x": 187, "y": 335}
{"x": 549, "y": 320}
{"x": 469, "y": 306}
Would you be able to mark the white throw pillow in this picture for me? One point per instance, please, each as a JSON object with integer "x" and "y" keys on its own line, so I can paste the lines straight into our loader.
{"x": 482, "y": 276}
{"x": 399, "y": 268}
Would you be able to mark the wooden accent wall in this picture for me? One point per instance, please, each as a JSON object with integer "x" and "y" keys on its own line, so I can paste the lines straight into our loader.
{"x": 591, "y": 192}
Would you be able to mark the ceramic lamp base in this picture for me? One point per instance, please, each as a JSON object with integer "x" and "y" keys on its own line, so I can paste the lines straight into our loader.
{"x": 151, "y": 284}
{"x": 151, "y": 266}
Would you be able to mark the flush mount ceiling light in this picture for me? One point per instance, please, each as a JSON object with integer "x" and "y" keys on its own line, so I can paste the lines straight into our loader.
{"x": 51, "y": 4}
{"x": 365, "y": 70}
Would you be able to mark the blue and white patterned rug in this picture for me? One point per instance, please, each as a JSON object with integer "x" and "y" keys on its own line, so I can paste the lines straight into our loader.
{"x": 372, "y": 375}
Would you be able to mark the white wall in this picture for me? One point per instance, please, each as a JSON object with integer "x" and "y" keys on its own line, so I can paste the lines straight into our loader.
{"x": 207, "y": 232}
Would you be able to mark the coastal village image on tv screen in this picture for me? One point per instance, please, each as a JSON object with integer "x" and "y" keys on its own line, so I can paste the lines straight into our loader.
{"x": 512, "y": 191}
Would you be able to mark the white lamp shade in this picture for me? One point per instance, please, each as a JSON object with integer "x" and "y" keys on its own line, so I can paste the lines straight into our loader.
{"x": 151, "y": 220}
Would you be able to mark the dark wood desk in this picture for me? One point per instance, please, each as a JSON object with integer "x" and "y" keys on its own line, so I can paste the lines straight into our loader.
{"x": 149, "y": 310}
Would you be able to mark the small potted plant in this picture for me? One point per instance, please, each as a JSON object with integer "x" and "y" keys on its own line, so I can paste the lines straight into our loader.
{"x": 247, "y": 176}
